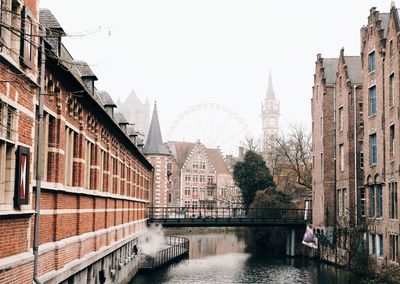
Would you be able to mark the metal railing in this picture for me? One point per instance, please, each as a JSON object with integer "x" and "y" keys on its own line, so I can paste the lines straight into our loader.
{"x": 179, "y": 246}
{"x": 185, "y": 213}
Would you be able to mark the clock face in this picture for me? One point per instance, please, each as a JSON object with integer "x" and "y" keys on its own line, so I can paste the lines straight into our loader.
{"x": 272, "y": 121}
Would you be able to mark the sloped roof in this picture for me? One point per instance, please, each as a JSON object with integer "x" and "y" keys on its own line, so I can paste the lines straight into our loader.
{"x": 84, "y": 69}
{"x": 120, "y": 118}
{"x": 47, "y": 19}
{"x": 330, "y": 67}
{"x": 354, "y": 69}
{"x": 216, "y": 159}
{"x": 154, "y": 143}
{"x": 180, "y": 151}
{"x": 270, "y": 89}
{"x": 106, "y": 99}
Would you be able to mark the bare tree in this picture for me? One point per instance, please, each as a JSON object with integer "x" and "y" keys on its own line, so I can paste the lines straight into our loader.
{"x": 291, "y": 156}
{"x": 250, "y": 144}
{"x": 351, "y": 246}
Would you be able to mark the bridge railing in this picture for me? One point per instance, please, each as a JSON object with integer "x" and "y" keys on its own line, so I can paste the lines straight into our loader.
{"x": 177, "y": 246}
{"x": 228, "y": 213}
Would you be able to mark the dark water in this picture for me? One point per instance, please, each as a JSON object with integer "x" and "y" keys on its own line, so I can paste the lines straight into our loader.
{"x": 219, "y": 257}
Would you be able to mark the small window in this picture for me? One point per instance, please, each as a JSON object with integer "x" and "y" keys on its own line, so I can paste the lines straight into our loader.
{"x": 391, "y": 90}
{"x": 372, "y": 244}
{"x": 341, "y": 157}
{"x": 373, "y": 152}
{"x": 341, "y": 118}
{"x": 362, "y": 202}
{"x": 372, "y": 100}
{"x": 27, "y": 38}
{"x": 391, "y": 48}
{"x": 371, "y": 62}
{"x": 380, "y": 239}
{"x": 392, "y": 142}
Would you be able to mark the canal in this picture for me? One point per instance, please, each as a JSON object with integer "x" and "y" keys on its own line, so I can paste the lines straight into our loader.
{"x": 219, "y": 256}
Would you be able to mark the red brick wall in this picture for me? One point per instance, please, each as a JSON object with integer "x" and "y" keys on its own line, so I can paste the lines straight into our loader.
{"x": 13, "y": 236}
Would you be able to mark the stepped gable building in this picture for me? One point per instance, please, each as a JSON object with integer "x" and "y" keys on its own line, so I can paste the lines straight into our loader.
{"x": 200, "y": 177}
{"x": 95, "y": 183}
{"x": 355, "y": 123}
{"x": 136, "y": 112}
{"x": 348, "y": 137}
{"x": 158, "y": 154}
{"x": 228, "y": 193}
{"x": 323, "y": 141}
{"x": 269, "y": 115}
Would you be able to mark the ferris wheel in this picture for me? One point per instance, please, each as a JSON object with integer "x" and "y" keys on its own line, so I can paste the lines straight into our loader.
{"x": 213, "y": 124}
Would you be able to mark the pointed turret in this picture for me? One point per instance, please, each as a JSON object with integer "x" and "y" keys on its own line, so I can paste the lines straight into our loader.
{"x": 270, "y": 90}
{"x": 154, "y": 143}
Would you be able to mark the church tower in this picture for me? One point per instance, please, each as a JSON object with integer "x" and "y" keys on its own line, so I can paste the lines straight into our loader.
{"x": 270, "y": 114}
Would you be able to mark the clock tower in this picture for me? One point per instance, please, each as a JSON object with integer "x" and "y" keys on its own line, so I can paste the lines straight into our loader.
{"x": 269, "y": 114}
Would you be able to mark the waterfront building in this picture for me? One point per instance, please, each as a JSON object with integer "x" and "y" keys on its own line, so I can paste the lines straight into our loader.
{"x": 322, "y": 142}
{"x": 158, "y": 154}
{"x": 95, "y": 183}
{"x": 348, "y": 139}
{"x": 200, "y": 177}
{"x": 379, "y": 51}
{"x": 137, "y": 113}
{"x": 355, "y": 148}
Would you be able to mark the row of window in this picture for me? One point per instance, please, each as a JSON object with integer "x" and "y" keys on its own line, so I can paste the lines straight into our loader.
{"x": 199, "y": 165}
{"x": 199, "y": 178}
{"x": 121, "y": 176}
{"x": 373, "y": 151}
{"x": 194, "y": 191}
{"x": 372, "y": 96}
{"x": 375, "y": 201}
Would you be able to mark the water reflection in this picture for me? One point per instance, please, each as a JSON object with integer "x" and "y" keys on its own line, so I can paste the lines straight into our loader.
{"x": 219, "y": 257}
{"x": 205, "y": 245}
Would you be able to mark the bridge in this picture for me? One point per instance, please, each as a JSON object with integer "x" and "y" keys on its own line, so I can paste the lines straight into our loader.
{"x": 228, "y": 217}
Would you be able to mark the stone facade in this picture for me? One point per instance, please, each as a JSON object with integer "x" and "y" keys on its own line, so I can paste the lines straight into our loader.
{"x": 95, "y": 184}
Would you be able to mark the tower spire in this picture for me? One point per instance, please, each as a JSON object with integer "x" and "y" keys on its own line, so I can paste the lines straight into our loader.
{"x": 154, "y": 143}
{"x": 270, "y": 89}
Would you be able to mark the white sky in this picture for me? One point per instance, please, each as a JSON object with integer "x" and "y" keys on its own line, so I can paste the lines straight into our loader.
{"x": 186, "y": 52}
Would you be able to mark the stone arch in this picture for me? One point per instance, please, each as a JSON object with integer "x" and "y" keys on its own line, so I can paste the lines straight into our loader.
{"x": 378, "y": 179}
{"x": 369, "y": 180}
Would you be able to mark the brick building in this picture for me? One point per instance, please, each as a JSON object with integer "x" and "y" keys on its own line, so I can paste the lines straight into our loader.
{"x": 200, "y": 177}
{"x": 95, "y": 183}
{"x": 361, "y": 137}
{"x": 322, "y": 142}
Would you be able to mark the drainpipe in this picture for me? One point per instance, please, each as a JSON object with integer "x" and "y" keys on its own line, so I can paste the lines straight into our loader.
{"x": 334, "y": 165}
{"x": 38, "y": 163}
{"x": 383, "y": 52}
{"x": 355, "y": 153}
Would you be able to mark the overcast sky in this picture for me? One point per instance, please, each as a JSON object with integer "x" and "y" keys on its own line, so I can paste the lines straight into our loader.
{"x": 183, "y": 52}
